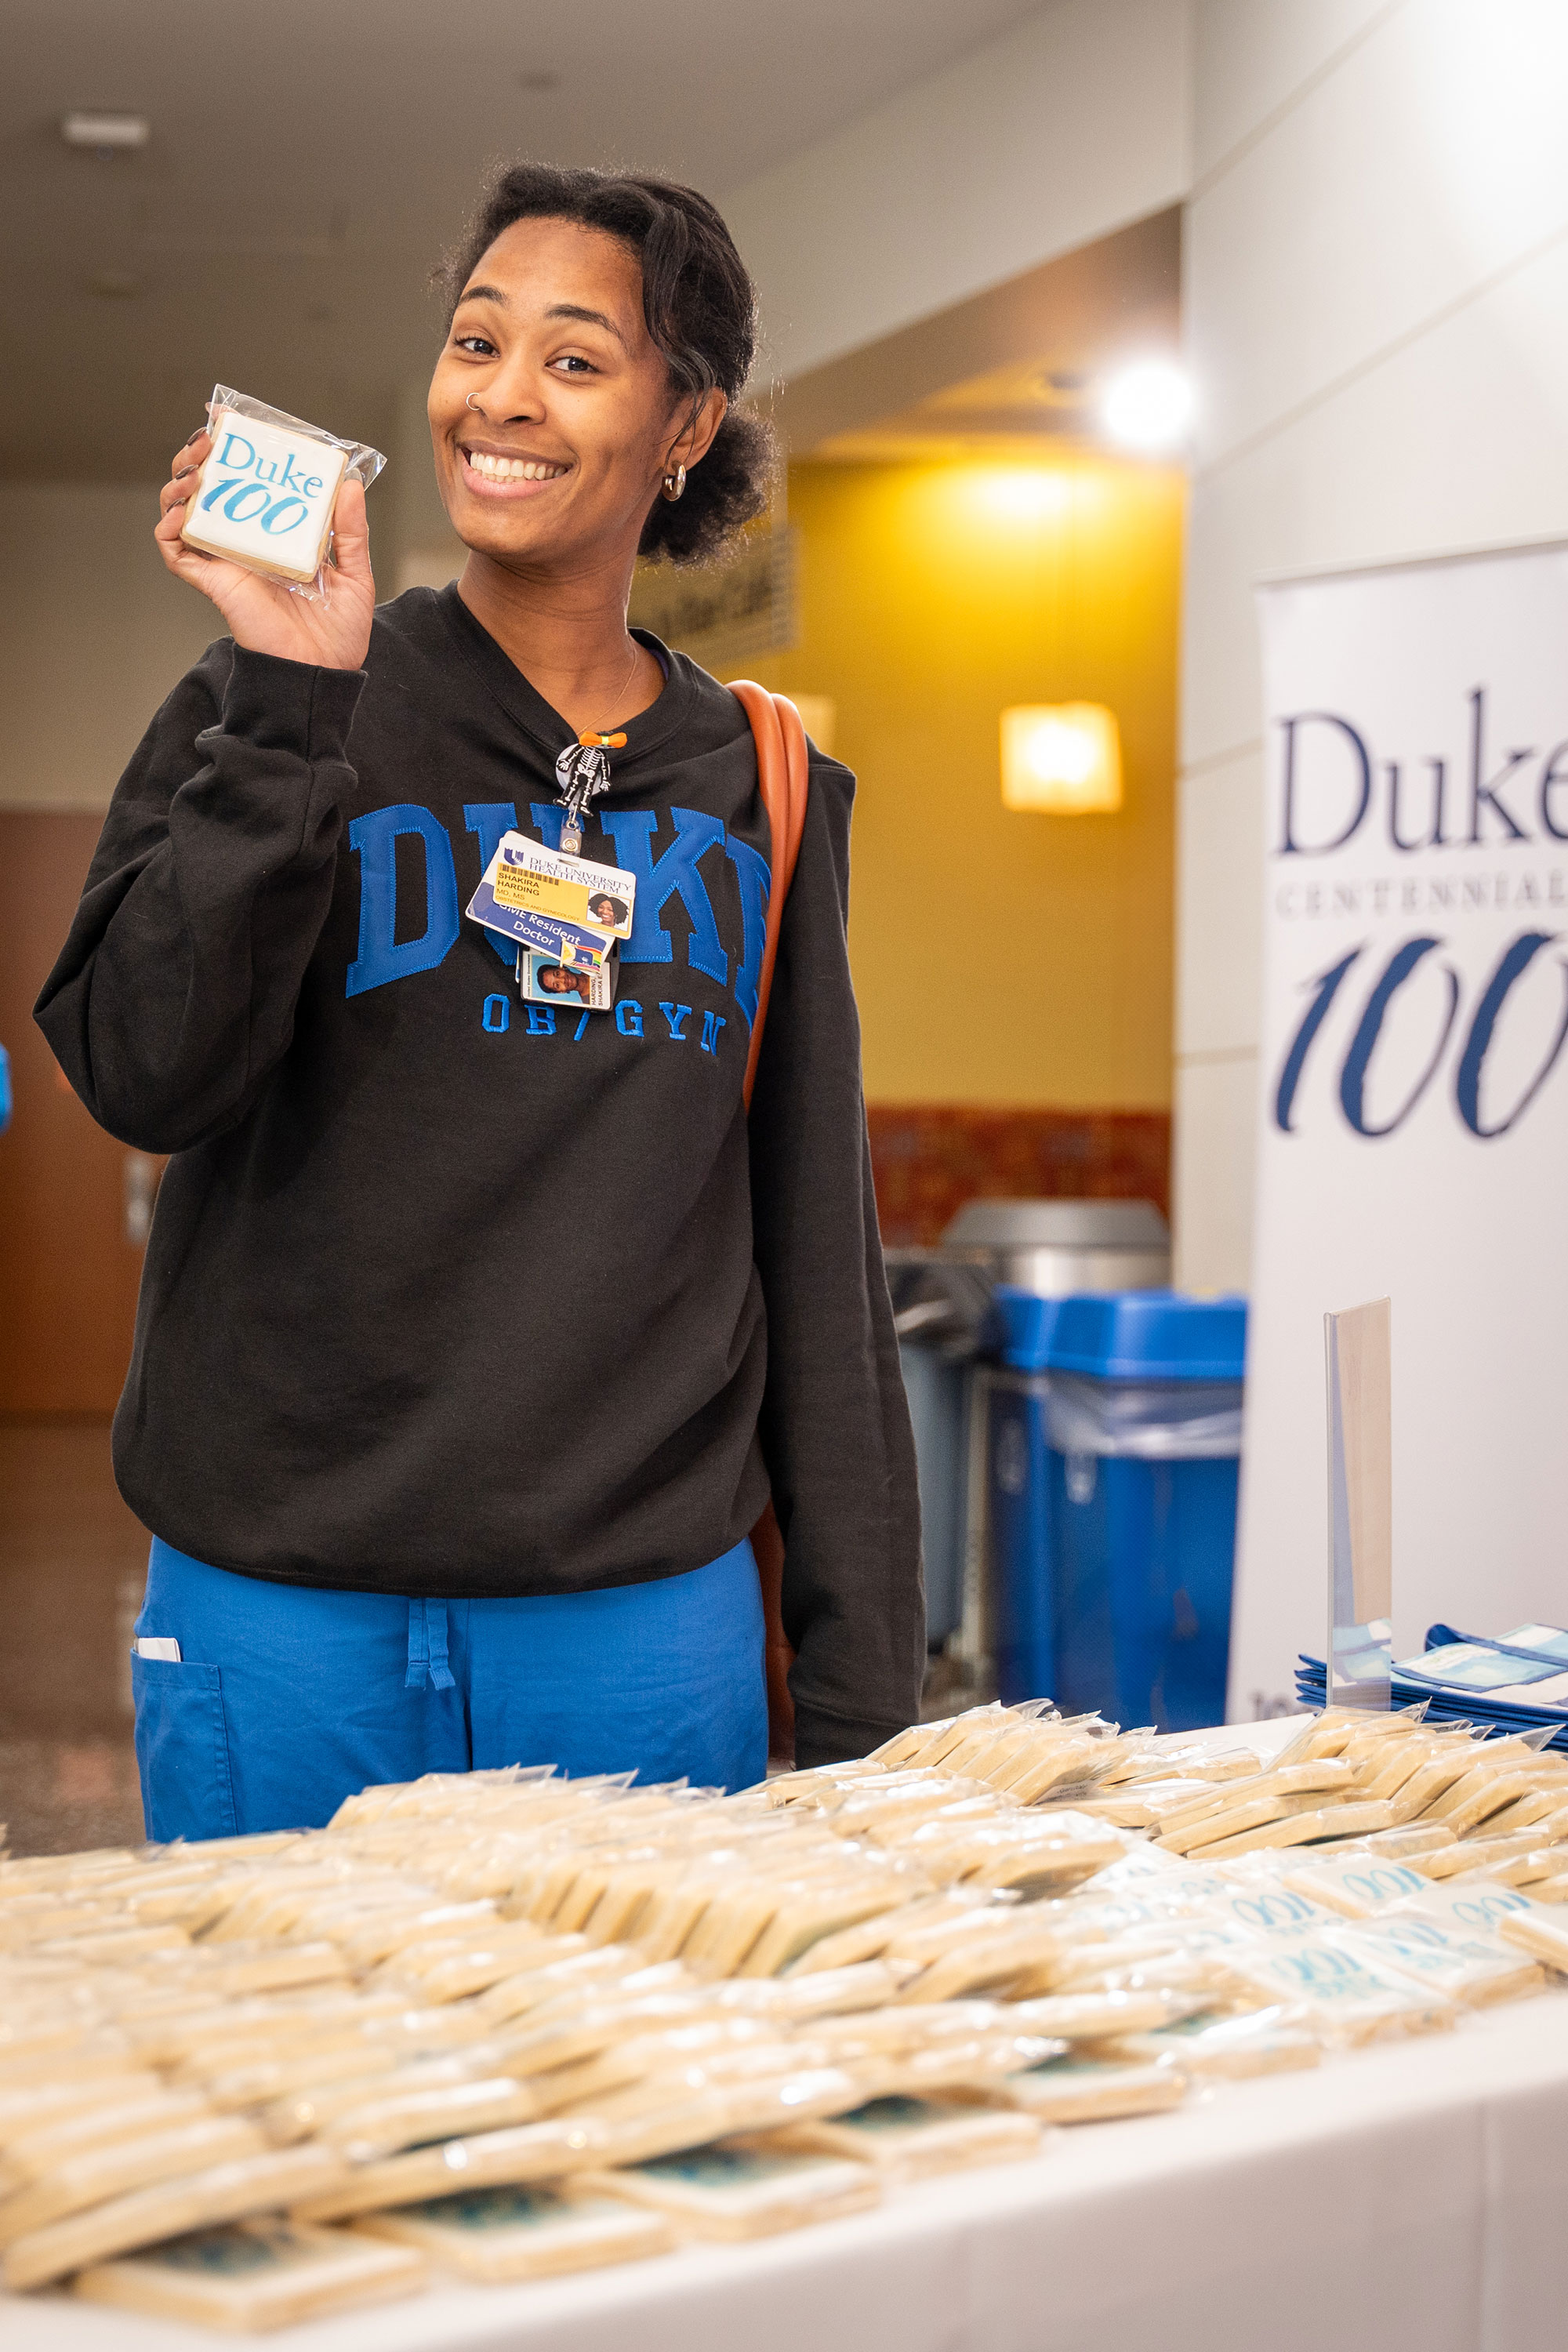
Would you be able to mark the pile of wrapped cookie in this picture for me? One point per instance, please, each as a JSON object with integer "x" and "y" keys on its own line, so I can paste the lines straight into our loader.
{"x": 504, "y": 2025}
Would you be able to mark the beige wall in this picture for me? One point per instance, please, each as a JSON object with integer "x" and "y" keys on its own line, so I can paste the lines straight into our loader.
{"x": 1001, "y": 958}
{"x": 93, "y": 632}
{"x": 1071, "y": 125}
{"x": 413, "y": 545}
{"x": 1376, "y": 308}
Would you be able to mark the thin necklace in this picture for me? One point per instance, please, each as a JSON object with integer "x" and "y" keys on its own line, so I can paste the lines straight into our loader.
{"x": 625, "y": 682}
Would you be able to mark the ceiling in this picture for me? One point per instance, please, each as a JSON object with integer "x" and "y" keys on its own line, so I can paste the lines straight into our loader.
{"x": 311, "y": 159}
{"x": 1046, "y": 342}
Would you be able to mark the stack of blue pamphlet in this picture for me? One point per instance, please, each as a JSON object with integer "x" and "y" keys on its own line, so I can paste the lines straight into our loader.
{"x": 1514, "y": 1682}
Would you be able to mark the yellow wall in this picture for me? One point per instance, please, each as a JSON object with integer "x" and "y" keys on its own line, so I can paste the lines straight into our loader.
{"x": 999, "y": 958}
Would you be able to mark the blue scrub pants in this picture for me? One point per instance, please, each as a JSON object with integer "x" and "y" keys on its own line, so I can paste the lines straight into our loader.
{"x": 286, "y": 1699}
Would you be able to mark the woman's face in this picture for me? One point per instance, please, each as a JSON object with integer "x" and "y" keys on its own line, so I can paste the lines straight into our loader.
{"x": 551, "y": 409}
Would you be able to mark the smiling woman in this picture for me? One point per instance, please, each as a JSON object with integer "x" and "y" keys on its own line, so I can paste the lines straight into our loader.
{"x": 477, "y": 1328}
{"x": 599, "y": 330}
{"x": 680, "y": 298}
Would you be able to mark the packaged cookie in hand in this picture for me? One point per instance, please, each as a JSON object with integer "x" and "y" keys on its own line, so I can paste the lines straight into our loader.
{"x": 268, "y": 488}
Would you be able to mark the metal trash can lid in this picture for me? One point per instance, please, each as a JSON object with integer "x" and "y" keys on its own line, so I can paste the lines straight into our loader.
{"x": 1148, "y": 1335}
{"x": 1057, "y": 1225}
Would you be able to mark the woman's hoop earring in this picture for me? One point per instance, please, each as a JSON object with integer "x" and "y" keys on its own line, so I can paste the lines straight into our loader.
{"x": 674, "y": 484}
{"x": 473, "y": 404}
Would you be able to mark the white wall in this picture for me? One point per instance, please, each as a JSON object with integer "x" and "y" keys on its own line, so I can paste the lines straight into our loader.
{"x": 93, "y": 632}
{"x": 1071, "y": 125}
{"x": 1378, "y": 314}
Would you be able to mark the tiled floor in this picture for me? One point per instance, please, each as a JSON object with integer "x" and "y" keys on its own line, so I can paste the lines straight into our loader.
{"x": 72, "y": 1564}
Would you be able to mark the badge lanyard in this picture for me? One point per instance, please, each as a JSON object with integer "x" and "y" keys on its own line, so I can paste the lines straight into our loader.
{"x": 583, "y": 773}
{"x": 566, "y": 916}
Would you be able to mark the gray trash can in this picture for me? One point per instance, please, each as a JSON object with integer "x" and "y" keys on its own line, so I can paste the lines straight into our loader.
{"x": 1057, "y": 1247}
{"x": 939, "y": 1310}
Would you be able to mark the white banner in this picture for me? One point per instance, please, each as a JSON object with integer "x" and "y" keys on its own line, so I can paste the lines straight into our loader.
{"x": 1414, "y": 1137}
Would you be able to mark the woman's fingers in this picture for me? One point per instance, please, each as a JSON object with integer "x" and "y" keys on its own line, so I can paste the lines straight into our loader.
{"x": 170, "y": 545}
{"x": 184, "y": 466}
{"x": 191, "y": 562}
{"x": 192, "y": 452}
{"x": 351, "y": 534}
{"x": 261, "y": 614}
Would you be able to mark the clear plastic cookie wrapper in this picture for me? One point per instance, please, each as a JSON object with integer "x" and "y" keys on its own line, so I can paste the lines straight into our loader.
{"x": 266, "y": 495}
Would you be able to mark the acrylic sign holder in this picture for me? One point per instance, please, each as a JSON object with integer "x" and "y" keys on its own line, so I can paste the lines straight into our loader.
{"x": 1360, "y": 1550}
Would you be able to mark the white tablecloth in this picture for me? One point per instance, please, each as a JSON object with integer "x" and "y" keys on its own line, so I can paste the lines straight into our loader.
{"x": 1415, "y": 2195}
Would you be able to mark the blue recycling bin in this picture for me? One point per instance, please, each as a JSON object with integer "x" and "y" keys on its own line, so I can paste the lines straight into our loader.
{"x": 1018, "y": 1499}
{"x": 1118, "y": 1421}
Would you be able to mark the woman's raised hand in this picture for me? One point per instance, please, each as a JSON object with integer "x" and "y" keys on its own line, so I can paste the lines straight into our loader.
{"x": 264, "y": 614}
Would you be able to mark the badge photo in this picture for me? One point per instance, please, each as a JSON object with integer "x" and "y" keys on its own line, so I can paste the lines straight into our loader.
{"x": 550, "y": 980}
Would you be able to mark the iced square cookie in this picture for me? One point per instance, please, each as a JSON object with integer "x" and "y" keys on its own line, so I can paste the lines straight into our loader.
{"x": 265, "y": 496}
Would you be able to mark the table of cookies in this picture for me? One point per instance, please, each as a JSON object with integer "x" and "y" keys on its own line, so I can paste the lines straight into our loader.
{"x": 1023, "y": 2034}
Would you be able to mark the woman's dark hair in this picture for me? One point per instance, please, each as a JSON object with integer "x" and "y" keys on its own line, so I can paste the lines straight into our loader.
{"x": 701, "y": 312}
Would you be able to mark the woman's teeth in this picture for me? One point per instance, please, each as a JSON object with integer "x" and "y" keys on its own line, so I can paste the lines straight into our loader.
{"x": 511, "y": 469}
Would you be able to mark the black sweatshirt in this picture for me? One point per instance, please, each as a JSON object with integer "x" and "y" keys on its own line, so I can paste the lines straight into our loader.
{"x": 450, "y": 1295}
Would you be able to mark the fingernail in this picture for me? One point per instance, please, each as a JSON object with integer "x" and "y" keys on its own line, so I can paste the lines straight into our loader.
{"x": 195, "y": 436}
{"x": 181, "y": 471}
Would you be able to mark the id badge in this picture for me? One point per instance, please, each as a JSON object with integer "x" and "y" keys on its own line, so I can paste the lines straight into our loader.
{"x": 547, "y": 980}
{"x": 556, "y": 906}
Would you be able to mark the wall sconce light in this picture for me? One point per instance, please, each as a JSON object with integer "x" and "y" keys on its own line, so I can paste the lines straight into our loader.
{"x": 1062, "y": 759}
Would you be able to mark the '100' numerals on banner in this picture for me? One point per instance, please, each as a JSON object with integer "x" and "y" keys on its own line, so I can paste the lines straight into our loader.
{"x": 1480, "y": 1032}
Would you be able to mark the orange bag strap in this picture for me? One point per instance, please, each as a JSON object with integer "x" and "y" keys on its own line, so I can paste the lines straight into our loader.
{"x": 783, "y": 777}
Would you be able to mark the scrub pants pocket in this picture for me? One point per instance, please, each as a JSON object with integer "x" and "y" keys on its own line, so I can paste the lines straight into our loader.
{"x": 182, "y": 1749}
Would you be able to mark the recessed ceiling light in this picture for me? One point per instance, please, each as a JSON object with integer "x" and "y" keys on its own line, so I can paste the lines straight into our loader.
{"x": 106, "y": 134}
{"x": 539, "y": 82}
{"x": 1149, "y": 406}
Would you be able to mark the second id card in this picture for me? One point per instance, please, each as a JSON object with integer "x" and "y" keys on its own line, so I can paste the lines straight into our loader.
{"x": 560, "y": 906}
{"x": 546, "y": 980}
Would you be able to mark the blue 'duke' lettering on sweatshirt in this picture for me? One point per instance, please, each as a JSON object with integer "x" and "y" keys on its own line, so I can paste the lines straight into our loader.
{"x": 675, "y": 872}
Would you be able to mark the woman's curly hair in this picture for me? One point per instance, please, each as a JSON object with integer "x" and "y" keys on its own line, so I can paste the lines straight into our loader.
{"x": 700, "y": 307}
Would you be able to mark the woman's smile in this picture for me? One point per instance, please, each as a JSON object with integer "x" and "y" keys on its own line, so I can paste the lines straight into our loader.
{"x": 493, "y": 473}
